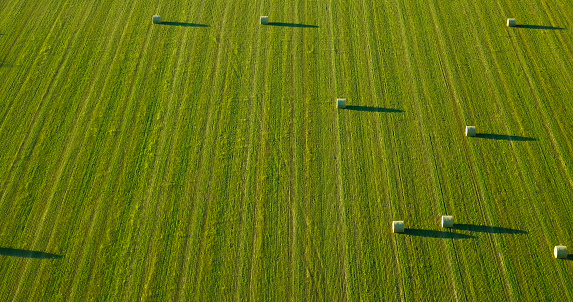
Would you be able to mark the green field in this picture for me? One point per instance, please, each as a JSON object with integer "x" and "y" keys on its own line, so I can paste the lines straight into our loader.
{"x": 203, "y": 159}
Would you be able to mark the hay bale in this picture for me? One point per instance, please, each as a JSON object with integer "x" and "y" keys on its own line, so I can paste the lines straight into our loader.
{"x": 447, "y": 221}
{"x": 156, "y": 19}
{"x": 264, "y": 19}
{"x": 560, "y": 252}
{"x": 471, "y": 131}
{"x": 397, "y": 226}
{"x": 511, "y": 22}
{"x": 340, "y": 103}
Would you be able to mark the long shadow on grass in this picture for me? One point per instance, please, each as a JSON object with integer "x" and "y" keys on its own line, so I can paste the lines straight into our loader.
{"x": 569, "y": 257}
{"x": 504, "y": 137}
{"x": 487, "y": 229}
{"x": 183, "y": 24}
{"x": 27, "y": 254}
{"x": 373, "y": 109}
{"x": 528, "y": 26}
{"x": 292, "y": 25}
{"x": 436, "y": 234}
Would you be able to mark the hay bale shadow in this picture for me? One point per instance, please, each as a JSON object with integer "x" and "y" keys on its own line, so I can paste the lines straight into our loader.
{"x": 292, "y": 25}
{"x": 504, "y": 137}
{"x": 531, "y": 26}
{"x": 373, "y": 109}
{"x": 436, "y": 234}
{"x": 487, "y": 229}
{"x": 183, "y": 24}
{"x": 28, "y": 254}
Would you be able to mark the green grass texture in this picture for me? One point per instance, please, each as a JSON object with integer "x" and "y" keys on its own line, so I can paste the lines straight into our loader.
{"x": 203, "y": 159}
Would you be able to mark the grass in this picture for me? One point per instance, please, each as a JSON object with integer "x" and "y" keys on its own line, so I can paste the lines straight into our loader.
{"x": 203, "y": 159}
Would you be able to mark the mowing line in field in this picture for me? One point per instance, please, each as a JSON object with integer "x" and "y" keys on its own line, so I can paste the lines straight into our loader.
{"x": 191, "y": 185}
{"x": 547, "y": 118}
{"x": 40, "y": 112}
{"x": 208, "y": 153}
{"x": 534, "y": 89}
{"x": 421, "y": 95}
{"x": 360, "y": 214}
{"x": 490, "y": 78}
{"x": 448, "y": 75}
{"x": 257, "y": 271}
{"x": 525, "y": 55}
{"x": 416, "y": 97}
{"x": 180, "y": 113}
{"x": 246, "y": 178}
{"x": 222, "y": 82}
{"x": 187, "y": 247}
{"x": 550, "y": 124}
{"x": 386, "y": 186}
{"x": 67, "y": 160}
{"x": 115, "y": 152}
{"x": 447, "y": 72}
{"x": 17, "y": 37}
{"x": 25, "y": 25}
{"x": 341, "y": 205}
{"x": 396, "y": 190}
{"x": 293, "y": 194}
{"x": 151, "y": 191}
{"x": 314, "y": 266}
{"x": 523, "y": 177}
{"x": 23, "y": 145}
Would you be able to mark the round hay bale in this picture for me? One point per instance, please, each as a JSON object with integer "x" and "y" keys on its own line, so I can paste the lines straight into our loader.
{"x": 264, "y": 19}
{"x": 560, "y": 252}
{"x": 471, "y": 131}
{"x": 397, "y": 226}
{"x": 340, "y": 103}
{"x": 156, "y": 19}
{"x": 511, "y": 22}
{"x": 447, "y": 221}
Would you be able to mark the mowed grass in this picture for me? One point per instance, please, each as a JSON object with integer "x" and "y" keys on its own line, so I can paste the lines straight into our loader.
{"x": 203, "y": 159}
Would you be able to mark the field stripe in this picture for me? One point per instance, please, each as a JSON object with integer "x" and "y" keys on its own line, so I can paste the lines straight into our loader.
{"x": 206, "y": 196}
{"x": 368, "y": 12}
{"x": 247, "y": 178}
{"x": 341, "y": 201}
{"x": 84, "y": 261}
{"x": 523, "y": 52}
{"x": 188, "y": 243}
{"x": 69, "y": 158}
{"x": 31, "y": 136}
{"x": 387, "y": 185}
{"x": 260, "y": 274}
{"x": 525, "y": 179}
{"x": 509, "y": 288}
{"x": 159, "y": 170}
{"x": 422, "y": 111}
{"x": 40, "y": 113}
{"x": 296, "y": 60}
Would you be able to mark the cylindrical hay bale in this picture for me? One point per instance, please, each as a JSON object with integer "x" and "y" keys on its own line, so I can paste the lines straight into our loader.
{"x": 340, "y": 103}
{"x": 397, "y": 226}
{"x": 471, "y": 131}
{"x": 264, "y": 19}
{"x": 447, "y": 221}
{"x": 560, "y": 252}
{"x": 511, "y": 22}
{"x": 156, "y": 19}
